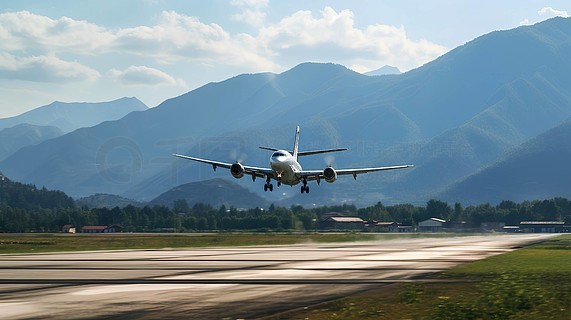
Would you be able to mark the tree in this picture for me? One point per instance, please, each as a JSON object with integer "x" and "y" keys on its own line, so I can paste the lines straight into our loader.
{"x": 438, "y": 209}
{"x": 181, "y": 206}
{"x": 547, "y": 210}
{"x": 458, "y": 212}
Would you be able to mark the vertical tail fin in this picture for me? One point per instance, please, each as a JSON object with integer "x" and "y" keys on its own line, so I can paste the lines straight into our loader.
{"x": 295, "y": 143}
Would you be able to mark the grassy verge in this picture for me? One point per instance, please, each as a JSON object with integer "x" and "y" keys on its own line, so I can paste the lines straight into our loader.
{"x": 531, "y": 283}
{"x": 31, "y": 243}
{"x": 54, "y": 242}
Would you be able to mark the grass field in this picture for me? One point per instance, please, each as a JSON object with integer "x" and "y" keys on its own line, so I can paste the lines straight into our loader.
{"x": 54, "y": 242}
{"x": 30, "y": 243}
{"x": 530, "y": 283}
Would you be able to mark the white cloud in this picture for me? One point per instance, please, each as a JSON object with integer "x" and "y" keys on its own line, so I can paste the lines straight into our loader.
{"x": 251, "y": 11}
{"x": 333, "y": 37}
{"x": 544, "y": 14}
{"x": 44, "y": 69}
{"x": 178, "y": 38}
{"x": 549, "y": 12}
{"x": 142, "y": 75}
{"x": 330, "y": 36}
{"x": 175, "y": 38}
{"x": 27, "y": 31}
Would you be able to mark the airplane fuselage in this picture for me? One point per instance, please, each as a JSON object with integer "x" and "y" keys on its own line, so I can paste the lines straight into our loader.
{"x": 285, "y": 167}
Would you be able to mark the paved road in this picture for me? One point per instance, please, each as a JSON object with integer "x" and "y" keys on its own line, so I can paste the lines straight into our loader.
{"x": 215, "y": 283}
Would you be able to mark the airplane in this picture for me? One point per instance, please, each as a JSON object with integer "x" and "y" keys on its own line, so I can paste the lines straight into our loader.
{"x": 285, "y": 168}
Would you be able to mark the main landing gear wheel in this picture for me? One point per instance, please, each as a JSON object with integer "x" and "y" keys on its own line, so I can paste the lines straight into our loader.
{"x": 305, "y": 187}
{"x": 268, "y": 185}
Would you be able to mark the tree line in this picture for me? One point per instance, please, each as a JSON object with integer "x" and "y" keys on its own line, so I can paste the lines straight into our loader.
{"x": 24, "y": 208}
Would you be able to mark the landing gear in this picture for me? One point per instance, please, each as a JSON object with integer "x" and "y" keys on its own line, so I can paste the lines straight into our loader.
{"x": 279, "y": 178}
{"x": 305, "y": 187}
{"x": 269, "y": 185}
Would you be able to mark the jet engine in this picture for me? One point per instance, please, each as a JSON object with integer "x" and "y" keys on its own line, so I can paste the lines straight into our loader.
{"x": 237, "y": 170}
{"x": 329, "y": 174}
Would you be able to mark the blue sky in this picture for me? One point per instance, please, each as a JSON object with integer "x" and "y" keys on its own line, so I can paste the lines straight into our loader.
{"x": 158, "y": 49}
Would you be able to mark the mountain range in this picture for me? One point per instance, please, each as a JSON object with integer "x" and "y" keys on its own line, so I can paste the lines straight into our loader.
{"x": 215, "y": 192}
{"x": 71, "y": 116}
{"x": 23, "y": 135}
{"x": 538, "y": 169}
{"x": 455, "y": 118}
{"x": 383, "y": 71}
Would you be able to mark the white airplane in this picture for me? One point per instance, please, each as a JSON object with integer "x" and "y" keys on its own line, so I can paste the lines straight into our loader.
{"x": 284, "y": 168}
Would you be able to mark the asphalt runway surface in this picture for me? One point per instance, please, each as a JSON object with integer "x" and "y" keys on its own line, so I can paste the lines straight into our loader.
{"x": 217, "y": 283}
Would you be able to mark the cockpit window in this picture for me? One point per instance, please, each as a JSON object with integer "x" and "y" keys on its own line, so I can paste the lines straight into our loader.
{"x": 278, "y": 154}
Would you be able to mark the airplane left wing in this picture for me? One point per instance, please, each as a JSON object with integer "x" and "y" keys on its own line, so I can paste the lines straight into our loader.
{"x": 319, "y": 174}
{"x": 253, "y": 171}
{"x": 366, "y": 170}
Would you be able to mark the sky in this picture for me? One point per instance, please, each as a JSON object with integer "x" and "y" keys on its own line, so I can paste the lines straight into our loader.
{"x": 101, "y": 50}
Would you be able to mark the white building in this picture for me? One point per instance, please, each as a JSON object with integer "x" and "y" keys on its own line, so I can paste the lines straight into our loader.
{"x": 431, "y": 225}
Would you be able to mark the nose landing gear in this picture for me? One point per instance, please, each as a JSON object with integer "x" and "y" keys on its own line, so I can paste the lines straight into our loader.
{"x": 279, "y": 178}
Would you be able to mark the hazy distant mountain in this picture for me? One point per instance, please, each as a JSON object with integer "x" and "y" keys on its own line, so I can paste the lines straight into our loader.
{"x": 449, "y": 117}
{"x": 17, "y": 137}
{"x": 71, "y": 116}
{"x": 384, "y": 70}
{"x": 215, "y": 192}
{"x": 539, "y": 169}
{"x": 101, "y": 200}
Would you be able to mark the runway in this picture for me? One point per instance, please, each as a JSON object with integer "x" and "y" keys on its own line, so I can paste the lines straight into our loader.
{"x": 217, "y": 283}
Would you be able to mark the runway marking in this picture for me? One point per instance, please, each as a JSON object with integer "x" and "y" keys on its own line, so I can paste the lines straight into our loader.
{"x": 217, "y": 281}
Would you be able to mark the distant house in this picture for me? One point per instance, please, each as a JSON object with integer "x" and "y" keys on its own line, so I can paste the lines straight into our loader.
{"x": 544, "y": 227}
{"x": 387, "y": 226}
{"x": 431, "y": 225}
{"x": 342, "y": 223}
{"x": 405, "y": 229}
{"x": 68, "y": 228}
{"x": 101, "y": 229}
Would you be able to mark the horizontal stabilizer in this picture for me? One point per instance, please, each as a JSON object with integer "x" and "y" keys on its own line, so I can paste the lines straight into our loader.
{"x": 309, "y": 153}
{"x": 268, "y": 148}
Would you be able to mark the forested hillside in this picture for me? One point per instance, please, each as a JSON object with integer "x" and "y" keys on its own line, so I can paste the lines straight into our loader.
{"x": 25, "y": 208}
{"x": 28, "y": 197}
